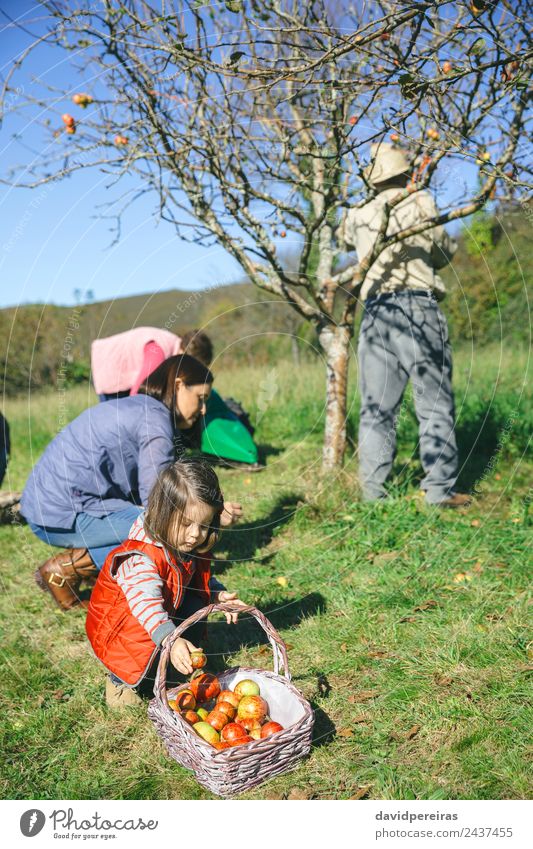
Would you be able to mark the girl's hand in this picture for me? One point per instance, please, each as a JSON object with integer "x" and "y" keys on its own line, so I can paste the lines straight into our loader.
{"x": 180, "y": 655}
{"x": 231, "y": 513}
{"x": 223, "y": 596}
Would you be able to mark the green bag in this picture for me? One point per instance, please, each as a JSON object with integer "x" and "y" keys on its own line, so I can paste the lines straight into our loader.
{"x": 224, "y": 435}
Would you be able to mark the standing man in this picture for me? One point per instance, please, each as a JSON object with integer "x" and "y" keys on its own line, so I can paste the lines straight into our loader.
{"x": 404, "y": 334}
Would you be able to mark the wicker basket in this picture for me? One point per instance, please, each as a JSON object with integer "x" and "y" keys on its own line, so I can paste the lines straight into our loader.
{"x": 226, "y": 772}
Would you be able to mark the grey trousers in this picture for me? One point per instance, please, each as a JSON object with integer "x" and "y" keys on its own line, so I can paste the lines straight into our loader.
{"x": 404, "y": 336}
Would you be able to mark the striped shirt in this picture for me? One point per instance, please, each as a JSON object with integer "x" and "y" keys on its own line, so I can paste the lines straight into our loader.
{"x": 142, "y": 585}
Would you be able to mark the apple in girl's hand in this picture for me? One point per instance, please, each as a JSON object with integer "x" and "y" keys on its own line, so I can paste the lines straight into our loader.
{"x": 252, "y": 707}
{"x": 202, "y": 713}
{"x": 198, "y": 659}
{"x": 232, "y": 731}
{"x": 190, "y": 716}
{"x": 225, "y": 707}
{"x": 217, "y": 719}
{"x": 185, "y": 700}
{"x": 229, "y": 696}
{"x": 270, "y": 728}
{"x": 247, "y": 687}
{"x": 207, "y": 732}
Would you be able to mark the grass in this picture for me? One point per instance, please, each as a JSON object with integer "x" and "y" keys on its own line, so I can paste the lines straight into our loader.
{"x": 407, "y": 627}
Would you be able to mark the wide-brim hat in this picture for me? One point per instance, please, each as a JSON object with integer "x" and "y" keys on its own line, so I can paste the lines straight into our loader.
{"x": 388, "y": 161}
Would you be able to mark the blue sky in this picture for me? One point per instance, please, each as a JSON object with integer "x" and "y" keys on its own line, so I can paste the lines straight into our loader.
{"x": 53, "y": 240}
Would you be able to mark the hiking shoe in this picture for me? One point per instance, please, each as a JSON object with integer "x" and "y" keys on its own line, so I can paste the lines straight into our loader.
{"x": 120, "y": 695}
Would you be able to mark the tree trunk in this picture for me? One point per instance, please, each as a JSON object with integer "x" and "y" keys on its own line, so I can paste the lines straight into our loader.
{"x": 335, "y": 342}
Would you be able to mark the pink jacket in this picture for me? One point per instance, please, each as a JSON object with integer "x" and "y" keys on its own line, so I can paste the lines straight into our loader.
{"x": 117, "y": 360}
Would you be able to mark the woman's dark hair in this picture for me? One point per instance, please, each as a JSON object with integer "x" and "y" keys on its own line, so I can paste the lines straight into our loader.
{"x": 161, "y": 385}
{"x": 189, "y": 479}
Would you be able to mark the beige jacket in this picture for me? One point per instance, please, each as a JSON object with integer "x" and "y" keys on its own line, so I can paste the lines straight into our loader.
{"x": 410, "y": 264}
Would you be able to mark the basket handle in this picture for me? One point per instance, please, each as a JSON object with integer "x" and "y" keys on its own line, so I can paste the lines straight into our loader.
{"x": 279, "y": 648}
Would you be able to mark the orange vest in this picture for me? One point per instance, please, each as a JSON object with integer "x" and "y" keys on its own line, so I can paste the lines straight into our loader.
{"x": 117, "y": 637}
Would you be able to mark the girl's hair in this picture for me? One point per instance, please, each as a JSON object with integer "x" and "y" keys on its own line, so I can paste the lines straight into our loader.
{"x": 188, "y": 480}
{"x": 199, "y": 345}
{"x": 161, "y": 385}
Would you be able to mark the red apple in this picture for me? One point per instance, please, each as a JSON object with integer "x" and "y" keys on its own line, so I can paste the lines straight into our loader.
{"x": 247, "y": 687}
{"x": 225, "y": 707}
{"x": 217, "y": 719}
{"x": 185, "y": 700}
{"x": 68, "y": 119}
{"x": 70, "y": 130}
{"x": 232, "y": 731}
{"x": 270, "y": 728}
{"x": 394, "y": 137}
{"x": 241, "y": 740}
{"x": 447, "y": 67}
{"x": 229, "y": 696}
{"x": 205, "y": 687}
{"x": 252, "y": 707}
{"x": 353, "y": 120}
{"x": 190, "y": 716}
{"x": 198, "y": 659}
{"x": 222, "y": 745}
{"x": 207, "y": 732}
{"x": 250, "y": 724}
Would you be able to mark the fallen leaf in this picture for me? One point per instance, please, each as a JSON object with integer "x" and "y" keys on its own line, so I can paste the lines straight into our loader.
{"x": 427, "y": 605}
{"x": 273, "y": 796}
{"x": 443, "y": 680}
{"x": 516, "y": 521}
{"x": 413, "y": 731}
{"x": 339, "y": 613}
{"x": 499, "y": 565}
{"x": 461, "y": 577}
{"x": 370, "y": 555}
{"x": 408, "y": 619}
{"x": 475, "y": 523}
{"x": 361, "y": 793}
{"x": 378, "y": 654}
{"x": 494, "y": 617}
{"x": 344, "y": 647}
{"x": 348, "y": 518}
{"x": 358, "y": 719}
{"x": 362, "y": 696}
{"x": 298, "y": 794}
{"x": 386, "y": 557}
{"x": 60, "y": 695}
{"x": 345, "y": 732}
{"x": 477, "y": 567}
{"x": 282, "y": 581}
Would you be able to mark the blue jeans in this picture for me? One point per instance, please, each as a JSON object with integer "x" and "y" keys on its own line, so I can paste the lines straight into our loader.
{"x": 99, "y": 534}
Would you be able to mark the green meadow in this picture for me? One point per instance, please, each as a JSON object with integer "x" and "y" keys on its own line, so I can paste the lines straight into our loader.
{"x": 407, "y": 626}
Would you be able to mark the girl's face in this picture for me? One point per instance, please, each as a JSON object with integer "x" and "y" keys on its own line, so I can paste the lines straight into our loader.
{"x": 193, "y": 529}
{"x": 190, "y": 402}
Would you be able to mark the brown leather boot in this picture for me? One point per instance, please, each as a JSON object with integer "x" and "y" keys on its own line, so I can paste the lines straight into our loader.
{"x": 62, "y": 575}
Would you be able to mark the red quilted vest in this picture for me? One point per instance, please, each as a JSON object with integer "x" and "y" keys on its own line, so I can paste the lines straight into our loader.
{"x": 117, "y": 638}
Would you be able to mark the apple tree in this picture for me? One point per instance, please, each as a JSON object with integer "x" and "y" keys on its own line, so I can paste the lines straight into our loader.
{"x": 251, "y": 121}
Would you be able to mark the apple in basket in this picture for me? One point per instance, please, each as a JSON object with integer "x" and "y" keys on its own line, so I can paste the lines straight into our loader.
{"x": 185, "y": 700}
{"x": 217, "y": 719}
{"x": 198, "y": 659}
{"x": 252, "y": 707}
{"x": 270, "y": 728}
{"x": 232, "y": 731}
{"x": 227, "y": 708}
{"x": 240, "y": 741}
{"x": 190, "y": 716}
{"x": 205, "y": 687}
{"x": 229, "y": 696}
{"x": 247, "y": 687}
{"x": 206, "y": 732}
{"x": 250, "y": 724}
{"x": 222, "y": 745}
{"x": 202, "y": 713}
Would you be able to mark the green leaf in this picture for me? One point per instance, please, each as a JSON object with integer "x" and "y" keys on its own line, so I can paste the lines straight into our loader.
{"x": 234, "y": 5}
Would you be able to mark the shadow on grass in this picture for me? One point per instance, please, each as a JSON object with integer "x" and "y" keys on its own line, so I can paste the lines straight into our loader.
{"x": 225, "y": 640}
{"x": 324, "y": 730}
{"x": 265, "y": 451}
{"x": 242, "y": 541}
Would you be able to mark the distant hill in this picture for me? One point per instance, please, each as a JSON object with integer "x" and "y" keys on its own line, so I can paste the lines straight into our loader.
{"x": 490, "y": 296}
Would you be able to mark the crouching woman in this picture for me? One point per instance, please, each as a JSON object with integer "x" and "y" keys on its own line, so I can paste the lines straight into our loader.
{"x": 156, "y": 579}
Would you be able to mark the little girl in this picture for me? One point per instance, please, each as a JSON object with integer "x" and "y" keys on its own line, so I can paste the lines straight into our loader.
{"x": 159, "y": 576}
